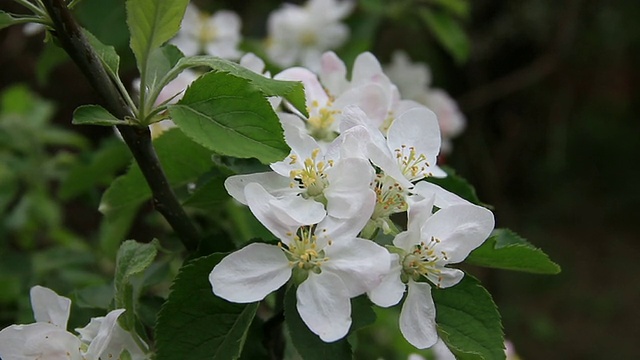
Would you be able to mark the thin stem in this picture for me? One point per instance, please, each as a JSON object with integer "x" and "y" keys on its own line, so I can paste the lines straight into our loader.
{"x": 138, "y": 139}
{"x": 32, "y": 7}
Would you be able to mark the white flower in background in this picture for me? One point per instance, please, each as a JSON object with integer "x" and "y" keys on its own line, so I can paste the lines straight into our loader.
{"x": 430, "y": 243}
{"x": 300, "y": 34}
{"x": 48, "y": 337}
{"x": 325, "y": 108}
{"x": 217, "y": 35}
{"x": 310, "y": 174}
{"x": 323, "y": 255}
{"x": 414, "y": 83}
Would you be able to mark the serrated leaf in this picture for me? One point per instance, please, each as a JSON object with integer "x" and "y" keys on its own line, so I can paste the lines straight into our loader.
{"x": 196, "y": 324}
{"x": 182, "y": 160}
{"x": 94, "y": 115}
{"x": 308, "y": 344}
{"x": 507, "y": 250}
{"x": 468, "y": 321}
{"x": 458, "y": 185}
{"x": 448, "y": 32}
{"x": 228, "y": 115}
{"x": 106, "y": 53}
{"x": 292, "y": 91}
{"x": 152, "y": 23}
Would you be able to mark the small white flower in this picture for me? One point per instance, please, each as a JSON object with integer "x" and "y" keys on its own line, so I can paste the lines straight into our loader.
{"x": 300, "y": 34}
{"x": 48, "y": 337}
{"x": 322, "y": 253}
{"x": 414, "y": 83}
{"x": 430, "y": 243}
{"x": 217, "y": 35}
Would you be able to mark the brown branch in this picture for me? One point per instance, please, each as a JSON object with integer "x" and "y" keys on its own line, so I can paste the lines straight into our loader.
{"x": 70, "y": 35}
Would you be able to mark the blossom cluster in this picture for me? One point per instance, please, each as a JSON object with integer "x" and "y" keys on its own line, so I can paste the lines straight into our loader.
{"x": 360, "y": 155}
{"x": 48, "y": 337}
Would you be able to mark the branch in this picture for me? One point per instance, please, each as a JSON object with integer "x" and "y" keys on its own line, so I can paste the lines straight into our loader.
{"x": 70, "y": 35}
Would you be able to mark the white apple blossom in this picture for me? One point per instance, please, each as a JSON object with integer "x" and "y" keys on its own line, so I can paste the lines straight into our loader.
{"x": 414, "y": 83}
{"x": 322, "y": 254}
{"x": 431, "y": 242}
{"x": 48, "y": 337}
{"x": 217, "y": 35}
{"x": 329, "y": 177}
{"x": 300, "y": 34}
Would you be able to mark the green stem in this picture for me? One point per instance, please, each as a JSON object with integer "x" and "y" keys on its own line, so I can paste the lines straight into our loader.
{"x": 138, "y": 139}
{"x": 36, "y": 10}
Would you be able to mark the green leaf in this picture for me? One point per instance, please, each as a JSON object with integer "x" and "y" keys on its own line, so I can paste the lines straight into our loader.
{"x": 161, "y": 61}
{"x": 196, "y": 324}
{"x": 506, "y": 250}
{"x": 308, "y": 344}
{"x": 228, "y": 115}
{"x": 51, "y": 56}
{"x": 94, "y": 115}
{"x": 209, "y": 196}
{"x": 132, "y": 259}
{"x": 152, "y": 23}
{"x": 292, "y": 91}
{"x": 468, "y": 321}
{"x": 6, "y": 20}
{"x": 448, "y": 32}
{"x": 182, "y": 160}
{"x": 106, "y": 53}
{"x": 458, "y": 185}
{"x": 457, "y": 7}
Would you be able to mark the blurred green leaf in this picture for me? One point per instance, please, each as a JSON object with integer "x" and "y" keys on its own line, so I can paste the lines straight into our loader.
{"x": 94, "y": 115}
{"x": 308, "y": 344}
{"x": 132, "y": 259}
{"x": 292, "y": 91}
{"x": 6, "y": 20}
{"x": 152, "y": 23}
{"x": 196, "y": 324}
{"x": 182, "y": 159}
{"x": 468, "y": 321}
{"x": 506, "y": 250}
{"x": 448, "y": 32}
{"x": 51, "y": 56}
{"x": 209, "y": 196}
{"x": 97, "y": 297}
{"x": 457, "y": 7}
{"x": 228, "y": 115}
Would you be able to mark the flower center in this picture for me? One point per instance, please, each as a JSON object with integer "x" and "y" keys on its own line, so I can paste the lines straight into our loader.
{"x": 321, "y": 120}
{"x": 312, "y": 175}
{"x": 423, "y": 261}
{"x": 207, "y": 33}
{"x": 390, "y": 197}
{"x": 303, "y": 252}
{"x": 413, "y": 165}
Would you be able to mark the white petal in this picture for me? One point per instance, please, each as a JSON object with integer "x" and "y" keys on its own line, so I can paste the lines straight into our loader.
{"x": 418, "y": 213}
{"x": 324, "y": 305}
{"x": 39, "y": 341}
{"x": 335, "y": 229}
{"x": 460, "y": 229}
{"x": 442, "y": 197}
{"x": 446, "y": 278}
{"x": 417, "y": 127}
{"x": 49, "y": 307}
{"x": 418, "y": 316}
{"x": 275, "y": 184}
{"x": 312, "y": 88}
{"x": 103, "y": 337}
{"x": 333, "y": 73}
{"x": 390, "y": 290}
{"x": 371, "y": 98}
{"x": 250, "y": 273}
{"x": 442, "y": 352}
{"x": 252, "y": 62}
{"x": 361, "y": 264}
{"x": 366, "y": 69}
{"x": 349, "y": 186}
{"x": 282, "y": 215}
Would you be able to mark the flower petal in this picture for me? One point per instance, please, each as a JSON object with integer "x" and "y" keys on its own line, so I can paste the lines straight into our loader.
{"x": 349, "y": 186}
{"x": 274, "y": 183}
{"x": 460, "y": 229}
{"x": 335, "y": 229}
{"x": 324, "y": 305}
{"x": 250, "y": 273}
{"x": 391, "y": 289}
{"x": 418, "y": 316}
{"x": 49, "y": 307}
{"x": 102, "y": 339}
{"x": 39, "y": 341}
{"x": 442, "y": 197}
{"x": 361, "y": 264}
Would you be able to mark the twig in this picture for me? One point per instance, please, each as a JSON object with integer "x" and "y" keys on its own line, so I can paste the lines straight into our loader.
{"x": 138, "y": 139}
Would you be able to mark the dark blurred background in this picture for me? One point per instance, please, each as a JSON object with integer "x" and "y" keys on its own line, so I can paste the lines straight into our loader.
{"x": 550, "y": 90}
